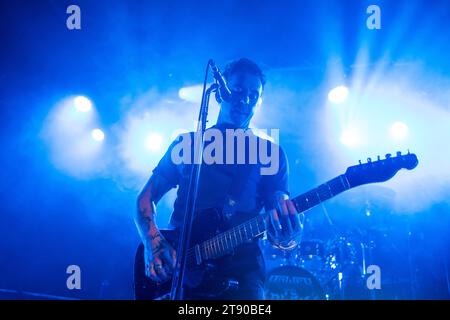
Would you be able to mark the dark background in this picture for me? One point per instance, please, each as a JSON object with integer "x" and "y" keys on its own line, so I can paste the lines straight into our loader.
{"x": 50, "y": 219}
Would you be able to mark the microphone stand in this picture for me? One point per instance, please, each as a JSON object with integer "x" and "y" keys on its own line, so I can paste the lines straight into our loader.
{"x": 177, "y": 292}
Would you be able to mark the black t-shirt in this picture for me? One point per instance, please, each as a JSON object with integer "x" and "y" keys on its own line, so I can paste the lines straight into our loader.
{"x": 256, "y": 187}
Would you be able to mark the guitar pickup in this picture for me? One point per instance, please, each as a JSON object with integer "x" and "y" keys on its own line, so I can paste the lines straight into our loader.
{"x": 198, "y": 255}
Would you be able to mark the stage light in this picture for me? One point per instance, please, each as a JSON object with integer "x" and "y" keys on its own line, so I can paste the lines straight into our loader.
{"x": 82, "y": 104}
{"x": 72, "y": 133}
{"x": 97, "y": 135}
{"x": 349, "y": 138}
{"x": 338, "y": 95}
{"x": 154, "y": 142}
{"x": 399, "y": 130}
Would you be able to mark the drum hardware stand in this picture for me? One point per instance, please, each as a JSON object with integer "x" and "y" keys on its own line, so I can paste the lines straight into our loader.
{"x": 335, "y": 234}
{"x": 364, "y": 263}
{"x": 327, "y": 217}
{"x": 341, "y": 285}
{"x": 367, "y": 246}
{"x": 367, "y": 257}
{"x": 363, "y": 258}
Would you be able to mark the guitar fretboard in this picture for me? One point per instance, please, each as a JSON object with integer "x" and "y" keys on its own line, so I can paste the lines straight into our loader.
{"x": 322, "y": 193}
{"x": 227, "y": 241}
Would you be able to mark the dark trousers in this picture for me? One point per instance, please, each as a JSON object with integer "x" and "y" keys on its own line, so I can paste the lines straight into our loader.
{"x": 240, "y": 277}
{"x": 247, "y": 287}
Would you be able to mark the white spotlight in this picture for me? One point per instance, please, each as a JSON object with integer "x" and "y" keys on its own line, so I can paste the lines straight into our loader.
{"x": 349, "y": 138}
{"x": 338, "y": 94}
{"x": 98, "y": 135}
{"x": 399, "y": 130}
{"x": 154, "y": 142}
{"x": 82, "y": 104}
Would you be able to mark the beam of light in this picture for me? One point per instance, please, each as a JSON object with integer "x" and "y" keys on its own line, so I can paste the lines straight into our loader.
{"x": 82, "y": 104}
{"x": 154, "y": 142}
{"x": 98, "y": 135}
{"x": 191, "y": 94}
{"x": 350, "y": 138}
{"x": 264, "y": 134}
{"x": 338, "y": 95}
{"x": 392, "y": 107}
{"x": 399, "y": 130}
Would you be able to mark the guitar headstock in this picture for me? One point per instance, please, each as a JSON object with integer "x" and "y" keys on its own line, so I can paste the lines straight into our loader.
{"x": 380, "y": 170}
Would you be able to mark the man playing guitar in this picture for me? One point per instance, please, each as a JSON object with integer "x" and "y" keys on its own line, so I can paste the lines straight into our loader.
{"x": 250, "y": 191}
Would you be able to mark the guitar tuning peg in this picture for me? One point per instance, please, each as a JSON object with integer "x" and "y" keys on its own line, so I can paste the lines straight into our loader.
{"x": 399, "y": 153}
{"x": 388, "y": 156}
{"x": 369, "y": 160}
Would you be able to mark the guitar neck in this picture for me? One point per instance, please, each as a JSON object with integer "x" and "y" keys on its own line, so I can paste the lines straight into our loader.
{"x": 322, "y": 193}
{"x": 227, "y": 241}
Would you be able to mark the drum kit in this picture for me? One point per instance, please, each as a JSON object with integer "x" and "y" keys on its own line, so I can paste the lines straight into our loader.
{"x": 332, "y": 259}
{"x": 317, "y": 270}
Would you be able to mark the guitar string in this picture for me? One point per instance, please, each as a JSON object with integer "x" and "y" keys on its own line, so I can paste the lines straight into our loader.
{"x": 219, "y": 244}
{"x": 221, "y": 240}
{"x": 243, "y": 227}
{"x": 214, "y": 243}
{"x": 321, "y": 195}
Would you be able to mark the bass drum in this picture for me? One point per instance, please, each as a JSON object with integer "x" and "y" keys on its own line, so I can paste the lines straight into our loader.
{"x": 292, "y": 283}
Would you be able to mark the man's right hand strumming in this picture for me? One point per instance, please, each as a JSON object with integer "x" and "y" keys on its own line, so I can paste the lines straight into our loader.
{"x": 159, "y": 255}
{"x": 160, "y": 259}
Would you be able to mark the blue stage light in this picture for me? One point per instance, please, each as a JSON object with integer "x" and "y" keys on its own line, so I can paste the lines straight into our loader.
{"x": 338, "y": 95}
{"x": 349, "y": 138}
{"x": 154, "y": 142}
{"x": 399, "y": 130}
{"x": 82, "y": 104}
{"x": 98, "y": 135}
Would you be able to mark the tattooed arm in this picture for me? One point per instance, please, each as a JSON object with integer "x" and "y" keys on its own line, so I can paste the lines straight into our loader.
{"x": 159, "y": 255}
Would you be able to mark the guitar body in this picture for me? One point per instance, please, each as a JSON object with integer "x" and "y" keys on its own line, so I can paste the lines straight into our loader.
{"x": 201, "y": 278}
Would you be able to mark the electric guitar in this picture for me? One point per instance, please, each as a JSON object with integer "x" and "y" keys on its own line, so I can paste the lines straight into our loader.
{"x": 213, "y": 237}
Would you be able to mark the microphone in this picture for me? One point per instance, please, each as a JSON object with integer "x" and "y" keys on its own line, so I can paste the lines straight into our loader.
{"x": 223, "y": 93}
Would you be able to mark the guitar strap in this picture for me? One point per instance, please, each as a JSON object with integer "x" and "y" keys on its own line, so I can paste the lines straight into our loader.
{"x": 239, "y": 181}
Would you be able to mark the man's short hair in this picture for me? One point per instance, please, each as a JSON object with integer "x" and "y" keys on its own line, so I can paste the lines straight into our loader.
{"x": 244, "y": 65}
